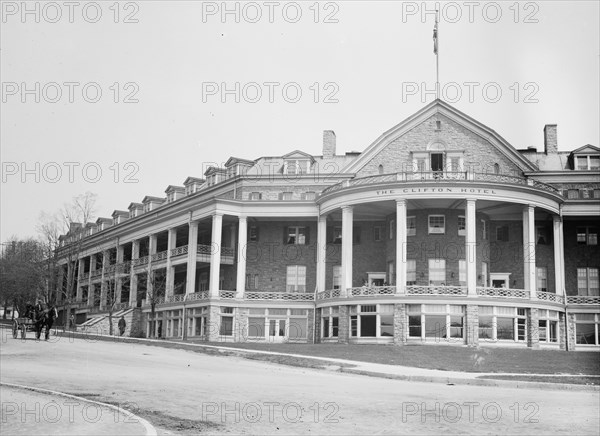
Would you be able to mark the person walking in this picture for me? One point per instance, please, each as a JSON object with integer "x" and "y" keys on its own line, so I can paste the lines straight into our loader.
{"x": 122, "y": 324}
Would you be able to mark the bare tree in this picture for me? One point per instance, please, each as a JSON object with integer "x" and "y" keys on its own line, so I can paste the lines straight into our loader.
{"x": 63, "y": 234}
{"x": 21, "y": 270}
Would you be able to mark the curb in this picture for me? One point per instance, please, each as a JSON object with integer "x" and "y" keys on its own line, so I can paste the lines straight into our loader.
{"x": 150, "y": 430}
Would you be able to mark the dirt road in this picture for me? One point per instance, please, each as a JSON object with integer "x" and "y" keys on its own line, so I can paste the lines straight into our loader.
{"x": 185, "y": 391}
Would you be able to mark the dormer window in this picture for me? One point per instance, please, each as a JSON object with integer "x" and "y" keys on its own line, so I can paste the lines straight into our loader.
{"x": 296, "y": 166}
{"x": 587, "y": 162}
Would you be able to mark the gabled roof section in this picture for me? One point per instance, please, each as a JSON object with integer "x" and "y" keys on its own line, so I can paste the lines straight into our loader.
{"x": 297, "y": 154}
{"x": 173, "y": 188}
{"x": 587, "y": 149}
{"x": 236, "y": 160}
{"x": 150, "y": 199}
{"x": 439, "y": 107}
{"x": 214, "y": 170}
{"x": 135, "y": 206}
{"x": 191, "y": 180}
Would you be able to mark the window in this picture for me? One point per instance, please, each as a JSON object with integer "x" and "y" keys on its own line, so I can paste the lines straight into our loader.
{"x": 411, "y": 272}
{"x": 309, "y": 195}
{"x": 226, "y": 328}
{"x": 587, "y": 281}
{"x": 378, "y": 233}
{"x": 437, "y": 271}
{"x": 380, "y": 169}
{"x": 286, "y": 195}
{"x": 296, "y": 235}
{"x": 437, "y": 161}
{"x": 502, "y": 233}
{"x": 337, "y": 235}
{"x": 372, "y": 320}
{"x": 437, "y": 224}
{"x": 573, "y": 194}
{"x": 391, "y": 273}
{"x": 296, "y": 167}
{"x": 411, "y": 226}
{"x": 548, "y": 326}
{"x": 542, "y": 279}
{"x": 337, "y": 276}
{"x": 392, "y": 229}
{"x": 462, "y": 226}
{"x": 587, "y": 235}
{"x": 296, "y": 278}
{"x": 462, "y": 273}
{"x": 330, "y": 322}
{"x": 586, "y": 328}
{"x": 541, "y": 236}
{"x": 496, "y": 168}
{"x": 587, "y": 162}
{"x": 484, "y": 234}
{"x": 251, "y": 281}
{"x": 253, "y": 233}
{"x": 254, "y": 196}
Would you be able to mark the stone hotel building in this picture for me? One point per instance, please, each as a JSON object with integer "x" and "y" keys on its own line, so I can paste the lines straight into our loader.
{"x": 440, "y": 231}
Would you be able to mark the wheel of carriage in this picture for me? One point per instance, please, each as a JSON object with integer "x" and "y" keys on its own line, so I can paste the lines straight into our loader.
{"x": 23, "y": 331}
{"x": 15, "y": 329}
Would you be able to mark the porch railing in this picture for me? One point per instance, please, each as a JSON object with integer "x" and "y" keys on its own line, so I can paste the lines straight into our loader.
{"x": 436, "y": 290}
{"x": 281, "y": 296}
{"x": 372, "y": 290}
{"x": 179, "y": 251}
{"x": 502, "y": 292}
{"x": 549, "y": 296}
{"x": 583, "y": 299}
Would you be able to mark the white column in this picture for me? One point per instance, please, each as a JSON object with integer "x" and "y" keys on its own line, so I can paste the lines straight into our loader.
{"x": 135, "y": 254}
{"x": 118, "y": 279}
{"x": 559, "y": 279}
{"x": 529, "y": 249}
{"x": 240, "y": 287}
{"x": 149, "y": 281}
{"x": 215, "y": 254}
{"x": 401, "y": 246}
{"x": 471, "y": 247}
{"x": 171, "y": 241}
{"x": 79, "y": 280}
{"x": 192, "y": 256}
{"x": 90, "y": 301}
{"x": 347, "y": 217}
{"x": 321, "y": 253}
{"x": 103, "y": 289}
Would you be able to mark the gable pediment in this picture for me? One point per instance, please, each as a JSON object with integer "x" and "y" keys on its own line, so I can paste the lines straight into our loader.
{"x": 587, "y": 149}
{"x": 439, "y": 127}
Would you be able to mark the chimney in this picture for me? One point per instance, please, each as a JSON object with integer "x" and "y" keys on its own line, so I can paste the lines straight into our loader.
{"x": 550, "y": 140}
{"x": 328, "y": 144}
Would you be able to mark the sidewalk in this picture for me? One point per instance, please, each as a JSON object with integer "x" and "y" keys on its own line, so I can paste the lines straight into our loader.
{"x": 33, "y": 411}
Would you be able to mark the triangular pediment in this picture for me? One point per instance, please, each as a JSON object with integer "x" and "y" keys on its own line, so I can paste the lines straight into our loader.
{"x": 297, "y": 154}
{"x": 587, "y": 149}
{"x": 418, "y": 134}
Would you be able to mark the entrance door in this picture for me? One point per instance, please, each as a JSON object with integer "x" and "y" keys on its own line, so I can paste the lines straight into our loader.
{"x": 500, "y": 280}
{"x": 277, "y": 330}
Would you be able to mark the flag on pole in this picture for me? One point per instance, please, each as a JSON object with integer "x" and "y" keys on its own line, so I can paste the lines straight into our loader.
{"x": 435, "y": 35}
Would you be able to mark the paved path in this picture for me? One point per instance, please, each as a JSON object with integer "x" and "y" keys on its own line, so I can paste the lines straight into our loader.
{"x": 183, "y": 390}
{"x": 32, "y": 412}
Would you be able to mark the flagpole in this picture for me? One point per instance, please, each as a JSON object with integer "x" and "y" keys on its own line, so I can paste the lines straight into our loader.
{"x": 437, "y": 56}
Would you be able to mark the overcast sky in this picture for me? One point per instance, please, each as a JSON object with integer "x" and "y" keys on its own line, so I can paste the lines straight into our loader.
{"x": 360, "y": 68}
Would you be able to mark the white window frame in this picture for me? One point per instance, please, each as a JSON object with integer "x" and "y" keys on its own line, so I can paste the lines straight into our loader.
{"x": 462, "y": 272}
{"x": 588, "y": 162}
{"x": 337, "y": 277}
{"x": 541, "y": 279}
{"x": 411, "y": 225}
{"x": 392, "y": 229}
{"x": 411, "y": 271}
{"x": 463, "y": 231}
{"x": 589, "y": 275}
{"x": 436, "y": 230}
{"x": 299, "y": 231}
{"x": 435, "y": 270}
{"x": 295, "y": 279}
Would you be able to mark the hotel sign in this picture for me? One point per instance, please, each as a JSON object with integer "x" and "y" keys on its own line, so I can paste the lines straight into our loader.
{"x": 440, "y": 190}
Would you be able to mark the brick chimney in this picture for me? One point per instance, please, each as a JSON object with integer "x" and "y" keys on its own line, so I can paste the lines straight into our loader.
{"x": 328, "y": 144}
{"x": 550, "y": 140}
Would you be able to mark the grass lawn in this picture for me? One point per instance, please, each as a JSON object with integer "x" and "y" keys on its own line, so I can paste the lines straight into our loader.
{"x": 448, "y": 358}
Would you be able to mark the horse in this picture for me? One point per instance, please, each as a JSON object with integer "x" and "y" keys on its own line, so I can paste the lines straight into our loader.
{"x": 43, "y": 317}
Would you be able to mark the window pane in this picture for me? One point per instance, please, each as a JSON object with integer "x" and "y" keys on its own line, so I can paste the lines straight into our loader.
{"x": 437, "y": 271}
{"x": 435, "y": 326}
{"x": 411, "y": 272}
{"x": 387, "y": 325}
{"x": 505, "y": 328}
{"x": 586, "y": 333}
{"x": 414, "y": 326}
{"x": 256, "y": 327}
{"x": 226, "y": 326}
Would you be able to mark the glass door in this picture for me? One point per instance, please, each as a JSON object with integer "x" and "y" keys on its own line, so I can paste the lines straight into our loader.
{"x": 277, "y": 331}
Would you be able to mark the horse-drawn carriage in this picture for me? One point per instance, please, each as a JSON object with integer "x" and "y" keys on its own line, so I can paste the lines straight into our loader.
{"x": 37, "y": 317}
